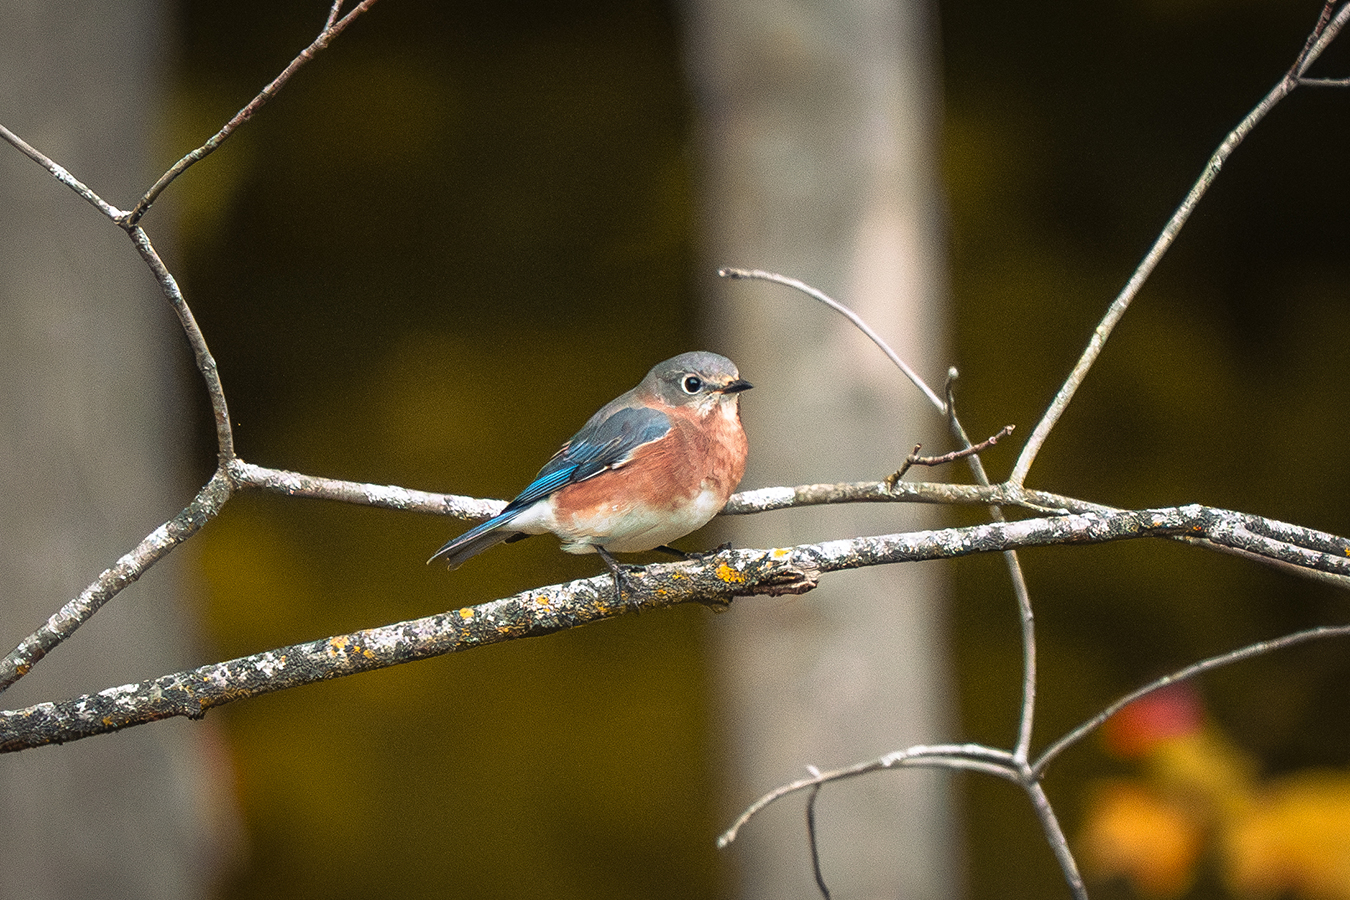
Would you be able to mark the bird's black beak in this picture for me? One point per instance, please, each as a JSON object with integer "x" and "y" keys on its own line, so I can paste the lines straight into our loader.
{"x": 740, "y": 384}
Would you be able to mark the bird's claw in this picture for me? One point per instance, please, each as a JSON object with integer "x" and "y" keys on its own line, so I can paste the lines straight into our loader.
{"x": 616, "y": 569}
{"x": 694, "y": 555}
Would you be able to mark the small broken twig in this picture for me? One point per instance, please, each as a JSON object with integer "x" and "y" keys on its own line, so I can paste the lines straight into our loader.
{"x": 914, "y": 459}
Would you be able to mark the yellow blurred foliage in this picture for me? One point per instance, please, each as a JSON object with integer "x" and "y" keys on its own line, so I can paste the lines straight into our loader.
{"x": 1294, "y": 839}
{"x": 1200, "y": 798}
{"x": 1145, "y": 837}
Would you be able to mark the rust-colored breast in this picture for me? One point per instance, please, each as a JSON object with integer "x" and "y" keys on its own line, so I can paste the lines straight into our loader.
{"x": 697, "y": 455}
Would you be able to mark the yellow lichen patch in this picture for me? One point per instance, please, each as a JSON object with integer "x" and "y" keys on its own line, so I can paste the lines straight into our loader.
{"x": 343, "y": 644}
{"x": 780, "y": 552}
{"x": 466, "y": 613}
{"x": 729, "y": 575}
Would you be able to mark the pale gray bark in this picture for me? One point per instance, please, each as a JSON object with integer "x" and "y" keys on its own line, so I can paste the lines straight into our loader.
{"x": 92, "y": 437}
{"x": 818, "y": 138}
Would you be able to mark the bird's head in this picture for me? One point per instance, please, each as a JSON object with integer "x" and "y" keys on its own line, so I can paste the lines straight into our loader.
{"x": 698, "y": 382}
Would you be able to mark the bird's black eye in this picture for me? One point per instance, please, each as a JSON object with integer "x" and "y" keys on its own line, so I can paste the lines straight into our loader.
{"x": 692, "y": 384}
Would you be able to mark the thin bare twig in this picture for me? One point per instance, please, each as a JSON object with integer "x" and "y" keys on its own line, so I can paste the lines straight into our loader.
{"x": 1026, "y": 617}
{"x": 759, "y": 500}
{"x": 385, "y": 496}
{"x": 1302, "y": 62}
{"x": 964, "y": 757}
{"x": 1318, "y": 38}
{"x": 157, "y": 545}
{"x": 1164, "y": 242}
{"x": 977, "y": 468}
{"x": 1261, "y": 648}
{"x": 217, "y": 491}
{"x": 1054, "y": 836}
{"x": 768, "y": 499}
{"x": 816, "y": 294}
{"x": 331, "y": 29}
{"x": 60, "y": 173}
{"x": 914, "y": 459}
{"x": 1026, "y": 721}
{"x": 206, "y": 363}
{"x": 333, "y": 13}
{"x": 811, "y": 835}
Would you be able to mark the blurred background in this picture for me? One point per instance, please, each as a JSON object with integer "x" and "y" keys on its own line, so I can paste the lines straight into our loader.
{"x": 465, "y": 226}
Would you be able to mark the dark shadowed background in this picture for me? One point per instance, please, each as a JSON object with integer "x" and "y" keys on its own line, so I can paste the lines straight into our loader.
{"x": 468, "y": 225}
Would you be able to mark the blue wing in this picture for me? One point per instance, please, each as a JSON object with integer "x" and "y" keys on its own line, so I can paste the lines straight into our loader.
{"x": 608, "y": 440}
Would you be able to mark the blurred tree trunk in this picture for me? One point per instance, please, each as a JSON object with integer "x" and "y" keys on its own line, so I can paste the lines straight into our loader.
{"x": 92, "y": 434}
{"x": 819, "y": 133}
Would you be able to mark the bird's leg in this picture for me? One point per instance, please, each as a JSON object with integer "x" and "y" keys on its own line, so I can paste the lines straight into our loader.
{"x": 616, "y": 570}
{"x": 693, "y": 554}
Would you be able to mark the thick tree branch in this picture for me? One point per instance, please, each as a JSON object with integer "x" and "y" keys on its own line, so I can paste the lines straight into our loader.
{"x": 531, "y": 614}
{"x": 1301, "y": 551}
{"x": 714, "y": 580}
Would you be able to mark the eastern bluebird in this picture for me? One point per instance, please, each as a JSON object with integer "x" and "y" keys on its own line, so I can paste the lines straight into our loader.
{"x": 649, "y": 467}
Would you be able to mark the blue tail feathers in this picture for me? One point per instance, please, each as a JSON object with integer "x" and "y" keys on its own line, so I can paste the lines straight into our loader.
{"x": 476, "y": 539}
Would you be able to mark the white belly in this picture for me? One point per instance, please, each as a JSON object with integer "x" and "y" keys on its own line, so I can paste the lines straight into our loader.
{"x": 622, "y": 529}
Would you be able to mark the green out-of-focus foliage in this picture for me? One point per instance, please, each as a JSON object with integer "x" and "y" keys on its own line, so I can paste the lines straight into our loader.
{"x": 467, "y": 225}
{"x": 454, "y": 235}
{"x": 1072, "y": 132}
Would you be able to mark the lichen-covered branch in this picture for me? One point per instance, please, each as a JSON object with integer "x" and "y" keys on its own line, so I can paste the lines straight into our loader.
{"x": 714, "y": 580}
{"x": 531, "y": 614}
